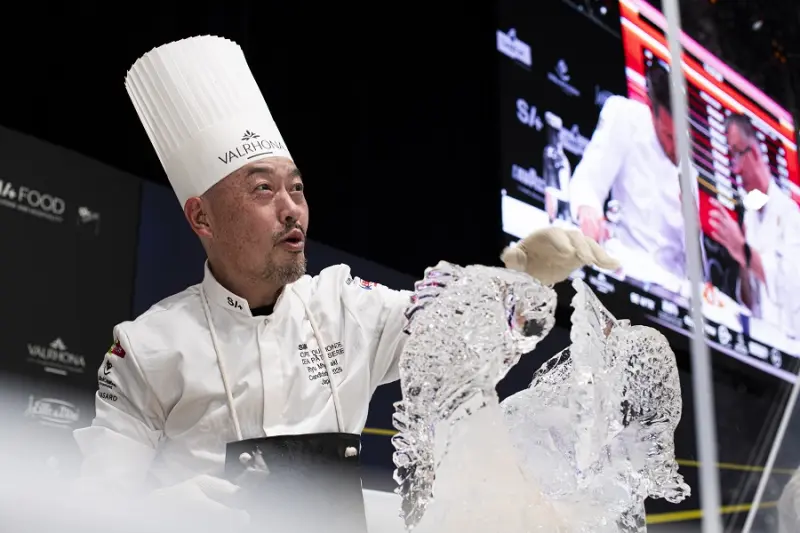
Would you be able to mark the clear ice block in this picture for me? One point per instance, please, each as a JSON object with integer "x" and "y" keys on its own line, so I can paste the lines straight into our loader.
{"x": 595, "y": 429}
{"x": 586, "y": 443}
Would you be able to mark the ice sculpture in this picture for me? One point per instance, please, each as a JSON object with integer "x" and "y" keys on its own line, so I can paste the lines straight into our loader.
{"x": 594, "y": 431}
{"x": 462, "y": 344}
{"x": 577, "y": 451}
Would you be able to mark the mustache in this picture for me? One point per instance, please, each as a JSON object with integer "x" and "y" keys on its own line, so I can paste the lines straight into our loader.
{"x": 287, "y": 229}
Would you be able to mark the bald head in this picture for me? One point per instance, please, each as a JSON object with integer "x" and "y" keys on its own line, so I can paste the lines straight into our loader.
{"x": 253, "y": 223}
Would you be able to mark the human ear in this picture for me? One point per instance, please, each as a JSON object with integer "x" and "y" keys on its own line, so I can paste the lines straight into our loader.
{"x": 197, "y": 215}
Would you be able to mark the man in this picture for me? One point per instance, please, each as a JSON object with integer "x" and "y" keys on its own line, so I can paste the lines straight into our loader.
{"x": 632, "y": 156}
{"x": 257, "y": 349}
{"x": 767, "y": 243}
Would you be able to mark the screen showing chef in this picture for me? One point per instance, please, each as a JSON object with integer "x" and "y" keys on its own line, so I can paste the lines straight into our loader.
{"x": 625, "y": 192}
{"x": 614, "y": 176}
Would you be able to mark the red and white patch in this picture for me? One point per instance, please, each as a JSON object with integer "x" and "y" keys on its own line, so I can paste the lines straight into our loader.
{"x": 117, "y": 350}
{"x": 368, "y": 285}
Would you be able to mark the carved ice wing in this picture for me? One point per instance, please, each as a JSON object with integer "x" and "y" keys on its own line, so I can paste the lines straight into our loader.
{"x": 595, "y": 428}
{"x": 462, "y": 343}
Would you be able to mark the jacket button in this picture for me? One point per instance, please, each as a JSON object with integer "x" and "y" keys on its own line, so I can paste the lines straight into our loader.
{"x": 350, "y": 451}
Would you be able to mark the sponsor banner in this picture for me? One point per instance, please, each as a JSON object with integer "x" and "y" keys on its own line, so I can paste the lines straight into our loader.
{"x": 69, "y": 240}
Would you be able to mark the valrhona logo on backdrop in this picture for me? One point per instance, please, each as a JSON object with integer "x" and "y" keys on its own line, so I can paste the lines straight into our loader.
{"x": 252, "y": 146}
{"x": 56, "y": 358}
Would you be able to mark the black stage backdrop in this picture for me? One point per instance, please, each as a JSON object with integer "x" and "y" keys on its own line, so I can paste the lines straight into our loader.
{"x": 387, "y": 109}
{"x": 67, "y": 245}
{"x": 67, "y": 248}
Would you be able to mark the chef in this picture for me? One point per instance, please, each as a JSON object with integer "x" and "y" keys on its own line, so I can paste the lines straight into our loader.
{"x": 632, "y": 156}
{"x": 258, "y": 349}
{"x": 766, "y": 245}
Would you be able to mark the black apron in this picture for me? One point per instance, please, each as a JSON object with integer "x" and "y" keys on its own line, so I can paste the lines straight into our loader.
{"x": 312, "y": 482}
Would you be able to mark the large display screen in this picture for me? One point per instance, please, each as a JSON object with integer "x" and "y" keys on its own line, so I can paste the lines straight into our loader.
{"x": 588, "y": 143}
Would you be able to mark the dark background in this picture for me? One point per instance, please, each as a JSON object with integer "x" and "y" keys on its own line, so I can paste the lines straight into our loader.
{"x": 50, "y": 268}
{"x": 374, "y": 103}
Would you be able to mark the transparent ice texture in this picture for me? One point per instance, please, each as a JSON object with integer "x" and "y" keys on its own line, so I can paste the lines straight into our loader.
{"x": 480, "y": 486}
{"x": 477, "y": 323}
{"x": 578, "y": 451}
{"x": 594, "y": 431}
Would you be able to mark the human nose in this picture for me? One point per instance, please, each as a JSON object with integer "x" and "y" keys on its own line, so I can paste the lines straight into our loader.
{"x": 736, "y": 163}
{"x": 289, "y": 209}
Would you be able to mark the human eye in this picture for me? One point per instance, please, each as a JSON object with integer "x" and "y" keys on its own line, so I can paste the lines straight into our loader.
{"x": 298, "y": 187}
{"x": 263, "y": 187}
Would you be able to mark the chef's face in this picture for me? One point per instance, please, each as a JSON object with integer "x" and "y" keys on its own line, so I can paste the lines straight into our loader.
{"x": 258, "y": 220}
{"x": 665, "y": 131}
{"x": 745, "y": 157}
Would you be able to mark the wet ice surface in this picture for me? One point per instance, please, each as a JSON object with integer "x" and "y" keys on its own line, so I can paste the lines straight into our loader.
{"x": 577, "y": 451}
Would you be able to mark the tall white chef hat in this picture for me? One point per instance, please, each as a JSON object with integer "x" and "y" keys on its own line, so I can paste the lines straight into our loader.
{"x": 203, "y": 112}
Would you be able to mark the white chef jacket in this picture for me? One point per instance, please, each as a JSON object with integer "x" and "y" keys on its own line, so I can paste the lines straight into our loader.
{"x": 774, "y": 231}
{"x": 625, "y": 158}
{"x": 161, "y": 405}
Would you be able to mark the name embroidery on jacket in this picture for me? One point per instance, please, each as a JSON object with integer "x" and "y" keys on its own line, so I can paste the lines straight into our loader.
{"x": 315, "y": 365}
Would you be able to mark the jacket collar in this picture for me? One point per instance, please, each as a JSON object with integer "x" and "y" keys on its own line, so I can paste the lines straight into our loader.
{"x": 222, "y": 297}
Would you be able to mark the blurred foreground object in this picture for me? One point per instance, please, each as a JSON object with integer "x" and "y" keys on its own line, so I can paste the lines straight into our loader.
{"x": 789, "y": 506}
{"x": 578, "y": 451}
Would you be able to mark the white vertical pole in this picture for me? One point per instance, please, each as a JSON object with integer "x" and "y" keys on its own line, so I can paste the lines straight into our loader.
{"x": 702, "y": 380}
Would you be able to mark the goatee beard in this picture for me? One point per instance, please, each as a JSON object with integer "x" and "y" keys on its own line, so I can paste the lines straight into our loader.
{"x": 287, "y": 273}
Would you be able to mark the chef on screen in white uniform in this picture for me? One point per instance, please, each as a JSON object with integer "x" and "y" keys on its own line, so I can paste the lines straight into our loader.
{"x": 632, "y": 155}
{"x": 237, "y": 356}
{"x": 767, "y": 245}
